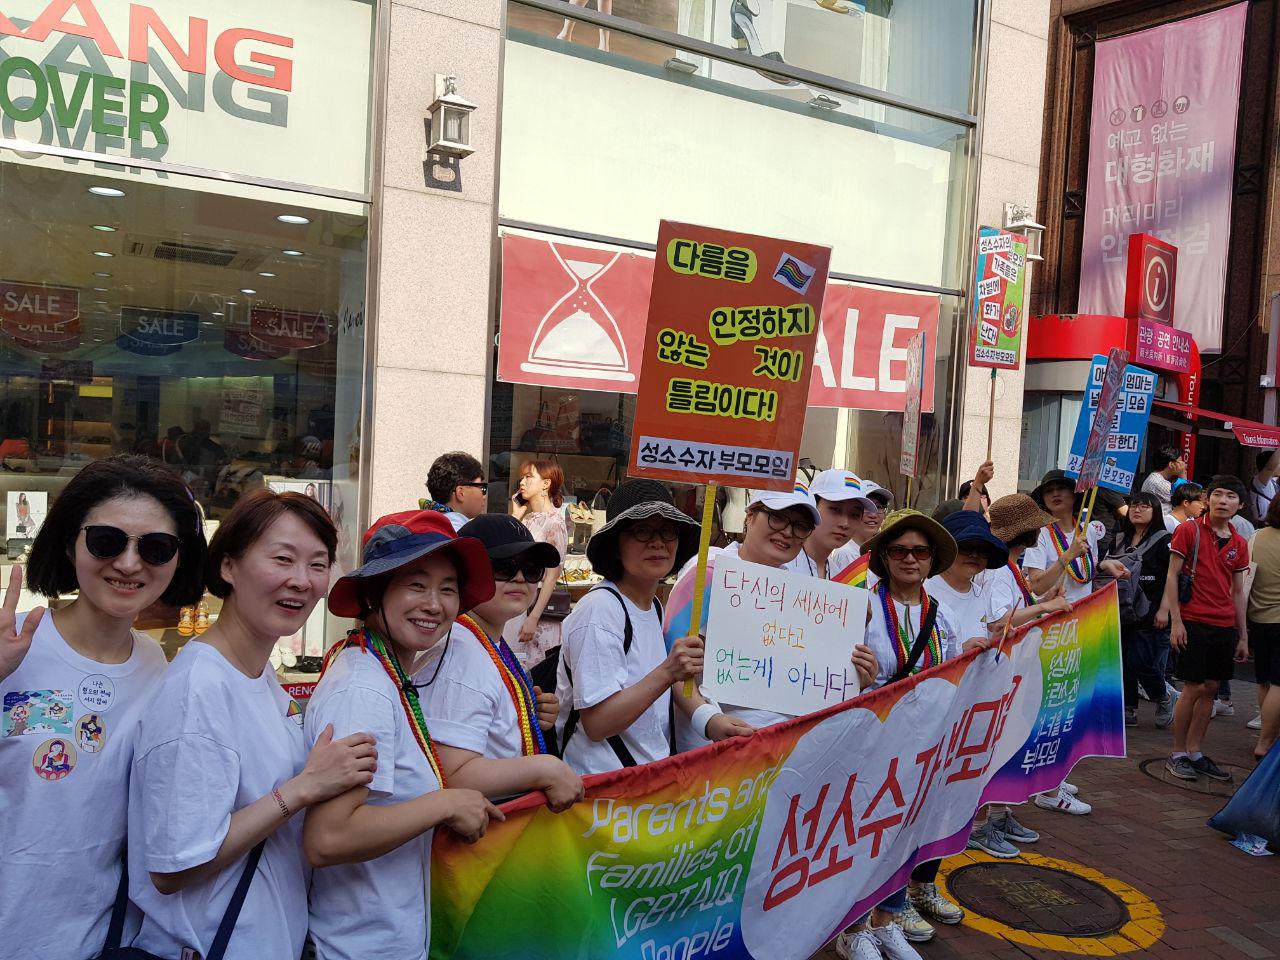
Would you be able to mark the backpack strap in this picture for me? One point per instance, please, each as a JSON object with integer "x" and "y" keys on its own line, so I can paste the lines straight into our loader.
{"x": 228, "y": 924}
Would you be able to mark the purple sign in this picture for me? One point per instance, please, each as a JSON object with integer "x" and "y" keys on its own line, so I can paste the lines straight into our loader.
{"x": 1163, "y": 347}
{"x": 1162, "y": 146}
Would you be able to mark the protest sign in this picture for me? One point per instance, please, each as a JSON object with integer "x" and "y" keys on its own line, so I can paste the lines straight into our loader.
{"x": 995, "y": 320}
{"x": 727, "y": 357}
{"x": 1125, "y": 430}
{"x": 766, "y": 847}
{"x": 911, "y": 416}
{"x": 780, "y": 640}
{"x": 1101, "y": 427}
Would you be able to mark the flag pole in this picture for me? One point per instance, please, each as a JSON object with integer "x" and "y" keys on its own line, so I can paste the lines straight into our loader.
{"x": 700, "y": 576}
{"x": 991, "y": 412}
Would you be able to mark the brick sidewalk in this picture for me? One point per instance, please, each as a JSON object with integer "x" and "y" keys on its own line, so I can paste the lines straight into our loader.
{"x": 1216, "y": 902}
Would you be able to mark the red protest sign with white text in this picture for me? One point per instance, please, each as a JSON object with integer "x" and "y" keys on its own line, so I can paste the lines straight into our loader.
{"x": 728, "y": 353}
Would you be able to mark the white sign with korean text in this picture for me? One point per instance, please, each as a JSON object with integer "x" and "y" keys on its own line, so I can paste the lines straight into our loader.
{"x": 781, "y": 640}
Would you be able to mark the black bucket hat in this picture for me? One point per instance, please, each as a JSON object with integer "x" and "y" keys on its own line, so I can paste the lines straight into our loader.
{"x": 1054, "y": 478}
{"x": 639, "y": 500}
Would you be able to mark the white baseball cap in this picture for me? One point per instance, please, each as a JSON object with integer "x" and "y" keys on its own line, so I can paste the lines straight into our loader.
{"x": 869, "y": 487}
{"x": 842, "y": 485}
{"x": 780, "y": 500}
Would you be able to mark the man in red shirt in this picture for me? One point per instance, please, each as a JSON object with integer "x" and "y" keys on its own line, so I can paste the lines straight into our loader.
{"x": 1206, "y": 628}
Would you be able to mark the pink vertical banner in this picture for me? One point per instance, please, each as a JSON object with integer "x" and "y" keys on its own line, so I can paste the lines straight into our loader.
{"x": 1162, "y": 146}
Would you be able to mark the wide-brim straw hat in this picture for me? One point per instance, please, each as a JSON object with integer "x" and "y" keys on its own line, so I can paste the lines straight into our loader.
{"x": 638, "y": 500}
{"x": 1014, "y": 515}
{"x": 897, "y": 523}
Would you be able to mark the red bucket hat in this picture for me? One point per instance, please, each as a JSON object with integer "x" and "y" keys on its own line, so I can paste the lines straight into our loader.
{"x": 401, "y": 538}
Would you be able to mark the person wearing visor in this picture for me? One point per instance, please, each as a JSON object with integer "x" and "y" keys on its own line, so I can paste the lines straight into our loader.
{"x": 486, "y": 715}
{"x": 615, "y": 674}
{"x": 372, "y": 843}
{"x": 841, "y": 501}
{"x": 777, "y": 525}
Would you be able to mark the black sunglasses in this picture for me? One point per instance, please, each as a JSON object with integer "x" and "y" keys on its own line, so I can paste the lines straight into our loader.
{"x": 107, "y": 543}
{"x": 482, "y": 486}
{"x": 506, "y": 570}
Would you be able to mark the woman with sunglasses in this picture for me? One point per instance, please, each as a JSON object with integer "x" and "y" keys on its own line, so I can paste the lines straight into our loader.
{"x": 484, "y": 712}
{"x": 909, "y": 549}
{"x": 372, "y": 843}
{"x": 777, "y": 525}
{"x": 221, "y": 767}
{"x": 122, "y": 535}
{"x": 615, "y": 674}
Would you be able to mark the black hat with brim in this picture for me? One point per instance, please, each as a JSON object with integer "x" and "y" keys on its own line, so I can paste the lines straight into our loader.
{"x": 1054, "y": 478}
{"x": 638, "y": 500}
{"x": 506, "y": 538}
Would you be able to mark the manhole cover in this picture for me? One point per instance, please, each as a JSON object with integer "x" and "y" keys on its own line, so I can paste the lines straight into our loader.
{"x": 1154, "y": 768}
{"x": 1038, "y": 899}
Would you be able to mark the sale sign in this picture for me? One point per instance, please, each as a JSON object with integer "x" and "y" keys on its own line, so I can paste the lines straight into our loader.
{"x": 911, "y": 417}
{"x": 289, "y": 329}
{"x": 728, "y": 353}
{"x": 999, "y": 278}
{"x": 38, "y": 313}
{"x": 1129, "y": 396}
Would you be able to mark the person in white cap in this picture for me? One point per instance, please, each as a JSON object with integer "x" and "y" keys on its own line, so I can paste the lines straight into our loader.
{"x": 777, "y": 525}
{"x": 841, "y": 503}
{"x": 873, "y": 516}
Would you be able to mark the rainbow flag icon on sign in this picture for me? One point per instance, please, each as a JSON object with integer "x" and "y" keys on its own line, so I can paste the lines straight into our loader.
{"x": 794, "y": 273}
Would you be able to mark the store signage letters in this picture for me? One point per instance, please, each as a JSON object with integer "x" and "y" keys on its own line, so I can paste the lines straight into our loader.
{"x": 289, "y": 328}
{"x": 34, "y": 313}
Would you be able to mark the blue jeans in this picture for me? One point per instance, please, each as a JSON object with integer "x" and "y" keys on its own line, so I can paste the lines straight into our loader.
{"x": 894, "y": 903}
{"x": 1145, "y": 651}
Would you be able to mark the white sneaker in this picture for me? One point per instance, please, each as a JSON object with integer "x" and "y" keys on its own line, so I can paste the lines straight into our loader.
{"x": 1071, "y": 788}
{"x": 893, "y": 943}
{"x": 1063, "y": 802}
{"x": 858, "y": 946}
{"x": 1255, "y": 723}
{"x": 1223, "y": 708}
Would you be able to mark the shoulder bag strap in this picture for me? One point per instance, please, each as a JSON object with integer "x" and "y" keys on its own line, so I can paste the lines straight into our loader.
{"x": 619, "y": 748}
{"x": 228, "y": 924}
{"x": 1195, "y": 551}
{"x": 917, "y": 648}
{"x": 115, "y": 930}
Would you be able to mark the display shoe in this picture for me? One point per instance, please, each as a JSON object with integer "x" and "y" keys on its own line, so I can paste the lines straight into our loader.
{"x": 202, "y": 618}
{"x": 186, "y": 627}
{"x": 932, "y": 904}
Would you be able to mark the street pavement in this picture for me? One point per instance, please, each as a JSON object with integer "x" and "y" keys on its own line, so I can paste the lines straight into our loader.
{"x": 1189, "y": 892}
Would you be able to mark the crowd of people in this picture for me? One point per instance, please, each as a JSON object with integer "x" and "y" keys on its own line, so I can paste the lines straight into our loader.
{"x": 254, "y": 827}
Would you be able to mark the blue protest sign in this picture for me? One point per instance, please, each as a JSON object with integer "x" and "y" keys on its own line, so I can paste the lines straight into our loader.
{"x": 1128, "y": 426}
{"x": 144, "y": 349}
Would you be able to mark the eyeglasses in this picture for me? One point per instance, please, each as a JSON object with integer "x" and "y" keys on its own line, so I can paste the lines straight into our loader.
{"x": 107, "y": 543}
{"x": 967, "y": 550}
{"x": 644, "y": 533}
{"x": 505, "y": 571}
{"x": 900, "y": 551}
{"x": 781, "y": 523}
{"x": 482, "y": 486}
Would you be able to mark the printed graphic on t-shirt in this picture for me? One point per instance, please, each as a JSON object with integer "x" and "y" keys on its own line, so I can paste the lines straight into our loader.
{"x": 294, "y": 712}
{"x": 91, "y": 733}
{"x": 42, "y": 712}
{"x": 97, "y": 692}
{"x": 54, "y": 759}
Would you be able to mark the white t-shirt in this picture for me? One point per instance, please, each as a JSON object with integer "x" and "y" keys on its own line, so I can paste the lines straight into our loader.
{"x": 212, "y": 742}
{"x": 378, "y": 908}
{"x": 467, "y": 705}
{"x": 459, "y": 520}
{"x": 1002, "y": 591}
{"x": 878, "y": 639}
{"x": 1043, "y": 555}
{"x": 840, "y": 558}
{"x": 1262, "y": 495}
{"x": 63, "y": 809}
{"x": 1171, "y": 522}
{"x": 592, "y": 648}
{"x": 971, "y": 611}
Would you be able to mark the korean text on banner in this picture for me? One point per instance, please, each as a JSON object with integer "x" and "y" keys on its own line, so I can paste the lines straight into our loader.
{"x": 1118, "y": 464}
{"x": 781, "y": 641}
{"x": 1162, "y": 141}
{"x": 999, "y": 279}
{"x": 911, "y": 416}
{"x": 766, "y": 847}
{"x": 728, "y": 352}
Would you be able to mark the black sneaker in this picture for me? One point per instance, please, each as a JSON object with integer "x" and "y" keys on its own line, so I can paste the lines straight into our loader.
{"x": 1182, "y": 768}
{"x": 1210, "y": 769}
{"x": 1131, "y": 717}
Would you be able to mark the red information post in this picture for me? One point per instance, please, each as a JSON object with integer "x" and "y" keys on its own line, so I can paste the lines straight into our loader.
{"x": 728, "y": 353}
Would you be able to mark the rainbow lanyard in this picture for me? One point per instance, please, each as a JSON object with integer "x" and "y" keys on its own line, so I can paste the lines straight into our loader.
{"x": 369, "y": 642}
{"x": 902, "y": 641}
{"x": 1020, "y": 579}
{"x": 1080, "y": 570}
{"x": 519, "y": 687}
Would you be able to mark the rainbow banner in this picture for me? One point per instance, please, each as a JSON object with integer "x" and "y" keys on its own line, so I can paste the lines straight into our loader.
{"x": 767, "y": 847}
{"x": 855, "y": 574}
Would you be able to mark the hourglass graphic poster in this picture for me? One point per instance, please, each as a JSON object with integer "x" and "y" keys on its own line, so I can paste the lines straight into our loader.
{"x": 572, "y": 316}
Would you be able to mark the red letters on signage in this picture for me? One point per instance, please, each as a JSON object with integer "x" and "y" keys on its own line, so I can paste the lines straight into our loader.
{"x": 143, "y": 20}
{"x": 93, "y": 28}
{"x": 224, "y": 51}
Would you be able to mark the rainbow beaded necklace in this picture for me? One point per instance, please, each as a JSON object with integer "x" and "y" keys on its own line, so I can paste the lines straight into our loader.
{"x": 367, "y": 641}
{"x": 519, "y": 687}
{"x": 902, "y": 641}
{"x": 1020, "y": 579}
{"x": 1081, "y": 569}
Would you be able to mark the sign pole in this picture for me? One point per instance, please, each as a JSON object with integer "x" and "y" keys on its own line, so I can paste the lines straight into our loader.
{"x": 700, "y": 575}
{"x": 908, "y": 499}
{"x": 991, "y": 412}
{"x": 1082, "y": 523}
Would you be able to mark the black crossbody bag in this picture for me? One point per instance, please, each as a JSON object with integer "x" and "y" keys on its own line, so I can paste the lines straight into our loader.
{"x": 115, "y": 932}
{"x": 917, "y": 648}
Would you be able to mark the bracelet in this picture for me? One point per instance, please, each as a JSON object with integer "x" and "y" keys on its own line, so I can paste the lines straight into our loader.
{"x": 701, "y": 717}
{"x": 284, "y": 807}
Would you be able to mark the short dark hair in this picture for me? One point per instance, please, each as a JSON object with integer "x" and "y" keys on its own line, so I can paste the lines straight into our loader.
{"x": 1225, "y": 481}
{"x": 1186, "y": 493}
{"x": 966, "y": 488}
{"x": 1027, "y": 538}
{"x": 51, "y": 570}
{"x": 249, "y": 520}
{"x": 1166, "y": 456}
{"x": 449, "y": 471}
{"x": 1272, "y": 519}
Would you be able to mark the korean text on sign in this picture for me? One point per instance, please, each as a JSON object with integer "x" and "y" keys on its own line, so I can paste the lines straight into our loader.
{"x": 728, "y": 355}
{"x": 1128, "y": 426}
{"x": 779, "y": 640}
